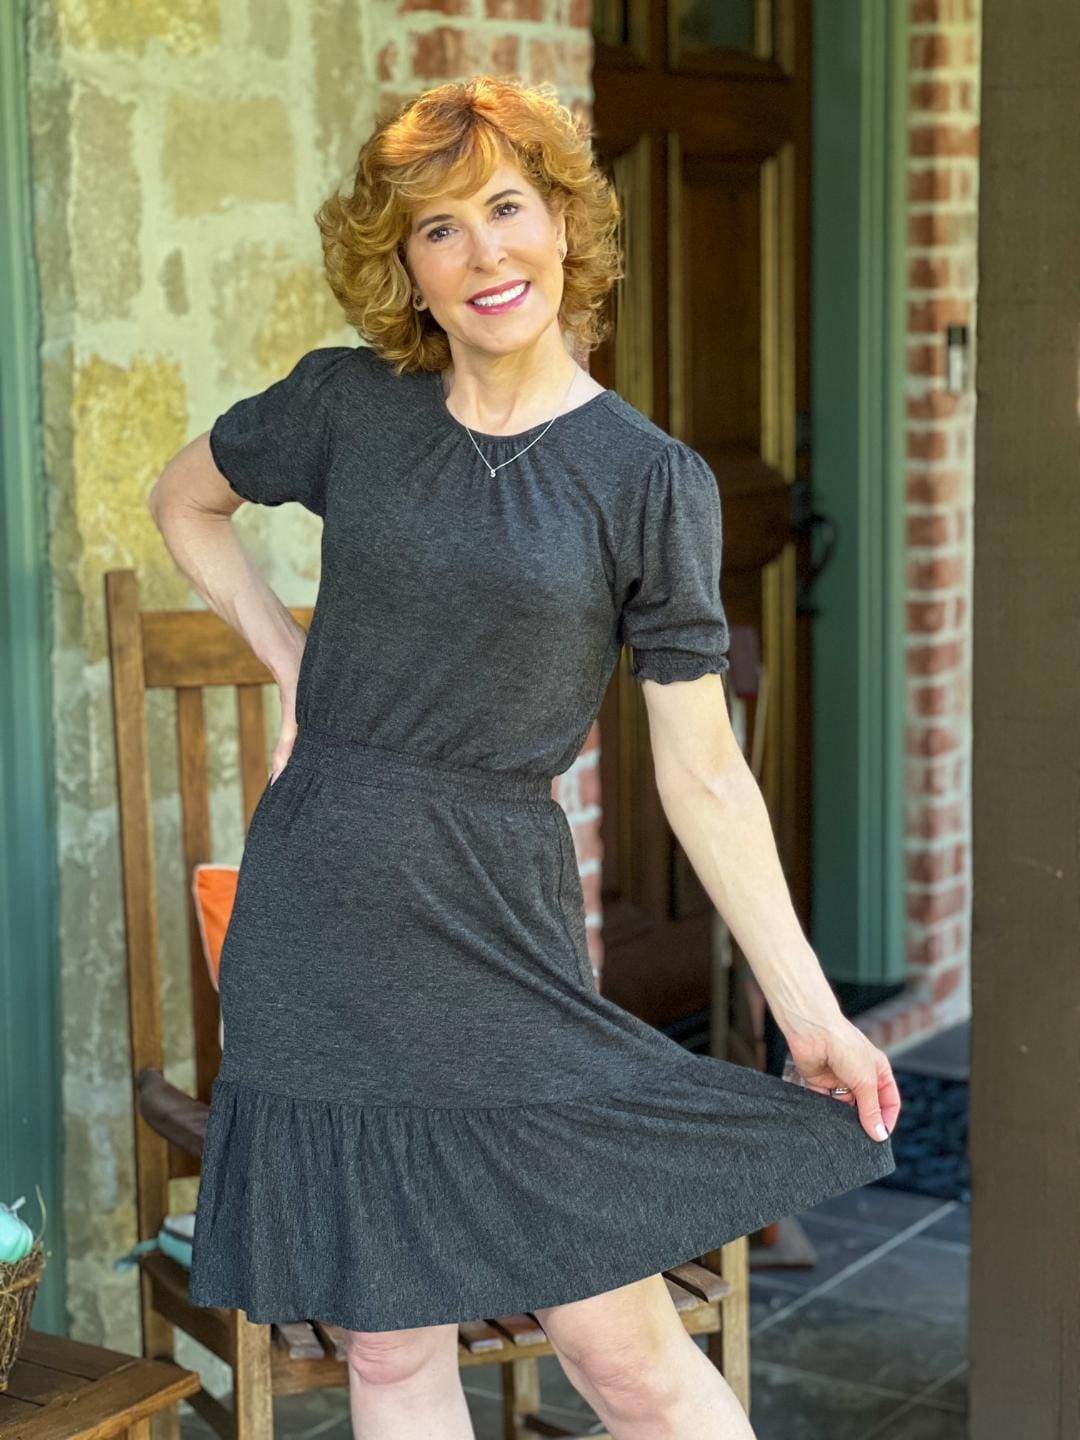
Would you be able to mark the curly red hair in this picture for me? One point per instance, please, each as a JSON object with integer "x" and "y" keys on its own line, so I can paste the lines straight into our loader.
{"x": 450, "y": 139}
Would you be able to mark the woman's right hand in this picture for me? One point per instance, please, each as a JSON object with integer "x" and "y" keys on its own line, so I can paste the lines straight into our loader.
{"x": 287, "y": 678}
{"x": 286, "y": 737}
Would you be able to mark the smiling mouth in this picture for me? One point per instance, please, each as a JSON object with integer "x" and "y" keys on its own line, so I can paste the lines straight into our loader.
{"x": 502, "y": 300}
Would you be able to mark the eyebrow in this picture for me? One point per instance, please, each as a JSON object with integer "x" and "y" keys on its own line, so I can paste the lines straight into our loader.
{"x": 431, "y": 219}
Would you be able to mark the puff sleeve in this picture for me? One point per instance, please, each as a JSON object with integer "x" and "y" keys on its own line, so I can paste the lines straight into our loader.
{"x": 668, "y": 572}
{"x": 274, "y": 446}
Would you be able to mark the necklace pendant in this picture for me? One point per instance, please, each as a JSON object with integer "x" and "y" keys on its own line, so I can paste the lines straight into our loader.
{"x": 492, "y": 474}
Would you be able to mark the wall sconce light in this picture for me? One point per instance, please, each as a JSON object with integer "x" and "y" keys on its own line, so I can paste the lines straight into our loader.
{"x": 956, "y": 353}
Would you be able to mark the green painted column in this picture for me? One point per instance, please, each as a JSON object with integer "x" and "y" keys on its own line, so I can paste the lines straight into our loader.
{"x": 31, "y": 1064}
{"x": 859, "y": 228}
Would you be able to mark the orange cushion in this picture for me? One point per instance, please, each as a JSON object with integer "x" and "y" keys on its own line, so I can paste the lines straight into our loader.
{"x": 214, "y": 890}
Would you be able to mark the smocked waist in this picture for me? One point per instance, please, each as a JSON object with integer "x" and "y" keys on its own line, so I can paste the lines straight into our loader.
{"x": 320, "y": 748}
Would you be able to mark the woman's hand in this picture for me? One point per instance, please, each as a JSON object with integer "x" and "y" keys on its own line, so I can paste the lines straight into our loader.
{"x": 287, "y": 734}
{"x": 838, "y": 1053}
{"x": 287, "y": 674}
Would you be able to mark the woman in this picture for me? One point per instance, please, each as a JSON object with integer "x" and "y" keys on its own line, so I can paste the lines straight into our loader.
{"x": 425, "y": 1112}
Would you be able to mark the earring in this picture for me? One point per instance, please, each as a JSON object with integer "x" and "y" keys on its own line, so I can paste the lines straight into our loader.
{"x": 417, "y": 300}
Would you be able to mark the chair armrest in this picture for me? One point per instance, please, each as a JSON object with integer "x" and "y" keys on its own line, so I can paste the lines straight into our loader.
{"x": 171, "y": 1113}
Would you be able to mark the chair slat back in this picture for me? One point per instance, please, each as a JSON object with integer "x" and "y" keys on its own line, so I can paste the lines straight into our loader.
{"x": 253, "y": 758}
{"x": 198, "y": 846}
{"x": 185, "y": 651}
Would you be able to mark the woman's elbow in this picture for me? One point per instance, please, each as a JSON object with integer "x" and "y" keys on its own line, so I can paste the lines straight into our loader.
{"x": 154, "y": 499}
{"x": 193, "y": 483}
{"x": 167, "y": 496}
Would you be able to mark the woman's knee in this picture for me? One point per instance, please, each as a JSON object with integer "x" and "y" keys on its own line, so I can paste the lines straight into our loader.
{"x": 637, "y": 1377}
{"x": 394, "y": 1357}
{"x": 623, "y": 1344}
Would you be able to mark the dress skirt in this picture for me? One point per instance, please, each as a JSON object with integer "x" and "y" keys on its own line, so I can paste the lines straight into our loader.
{"x": 425, "y": 1112}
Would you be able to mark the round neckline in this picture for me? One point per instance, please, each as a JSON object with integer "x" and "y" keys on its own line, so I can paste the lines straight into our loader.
{"x": 452, "y": 419}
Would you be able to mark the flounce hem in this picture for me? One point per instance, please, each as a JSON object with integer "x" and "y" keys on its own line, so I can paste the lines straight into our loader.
{"x": 390, "y": 1217}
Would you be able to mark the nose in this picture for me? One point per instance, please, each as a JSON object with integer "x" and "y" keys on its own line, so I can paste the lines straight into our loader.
{"x": 487, "y": 247}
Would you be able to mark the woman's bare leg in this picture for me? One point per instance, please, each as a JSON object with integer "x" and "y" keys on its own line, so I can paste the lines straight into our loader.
{"x": 628, "y": 1354}
{"x": 406, "y": 1385}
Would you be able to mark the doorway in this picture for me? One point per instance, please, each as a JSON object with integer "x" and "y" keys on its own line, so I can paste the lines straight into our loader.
{"x": 757, "y": 149}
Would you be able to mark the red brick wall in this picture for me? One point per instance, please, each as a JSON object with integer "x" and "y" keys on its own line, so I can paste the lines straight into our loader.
{"x": 943, "y": 177}
{"x": 420, "y": 43}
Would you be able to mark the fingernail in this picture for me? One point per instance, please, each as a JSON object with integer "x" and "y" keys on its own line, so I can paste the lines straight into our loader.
{"x": 882, "y": 1133}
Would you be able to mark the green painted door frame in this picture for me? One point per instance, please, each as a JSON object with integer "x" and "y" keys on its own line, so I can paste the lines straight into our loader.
{"x": 859, "y": 282}
{"x": 31, "y": 1062}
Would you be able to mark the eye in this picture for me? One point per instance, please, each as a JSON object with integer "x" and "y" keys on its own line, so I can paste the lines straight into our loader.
{"x": 433, "y": 233}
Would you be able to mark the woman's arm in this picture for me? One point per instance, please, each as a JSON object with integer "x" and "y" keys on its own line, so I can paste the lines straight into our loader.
{"x": 192, "y": 504}
{"x": 715, "y": 808}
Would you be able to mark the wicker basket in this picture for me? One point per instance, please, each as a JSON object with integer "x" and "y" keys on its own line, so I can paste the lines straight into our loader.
{"x": 19, "y": 1280}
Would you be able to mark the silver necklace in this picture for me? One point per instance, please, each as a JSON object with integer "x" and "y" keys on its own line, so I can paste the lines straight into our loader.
{"x": 547, "y": 427}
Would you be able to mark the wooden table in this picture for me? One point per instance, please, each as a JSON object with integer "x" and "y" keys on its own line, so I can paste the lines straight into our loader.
{"x": 61, "y": 1389}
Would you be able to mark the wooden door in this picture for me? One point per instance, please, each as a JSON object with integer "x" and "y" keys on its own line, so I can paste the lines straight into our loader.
{"x": 702, "y": 119}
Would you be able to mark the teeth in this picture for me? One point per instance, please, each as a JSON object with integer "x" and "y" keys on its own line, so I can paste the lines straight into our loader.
{"x": 502, "y": 297}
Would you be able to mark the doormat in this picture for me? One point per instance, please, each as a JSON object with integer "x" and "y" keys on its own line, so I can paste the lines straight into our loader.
{"x": 930, "y": 1142}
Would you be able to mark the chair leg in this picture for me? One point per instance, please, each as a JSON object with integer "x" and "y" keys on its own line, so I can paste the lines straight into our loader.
{"x": 165, "y": 1425}
{"x": 158, "y": 1337}
{"x": 520, "y": 1395}
{"x": 253, "y": 1398}
{"x": 729, "y": 1347}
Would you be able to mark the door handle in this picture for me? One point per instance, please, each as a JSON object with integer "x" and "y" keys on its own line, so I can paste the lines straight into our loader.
{"x": 815, "y": 534}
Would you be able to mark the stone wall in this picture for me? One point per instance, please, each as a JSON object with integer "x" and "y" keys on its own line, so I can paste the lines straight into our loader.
{"x": 179, "y": 153}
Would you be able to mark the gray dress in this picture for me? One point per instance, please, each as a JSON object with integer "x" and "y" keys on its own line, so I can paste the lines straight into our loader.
{"x": 425, "y": 1111}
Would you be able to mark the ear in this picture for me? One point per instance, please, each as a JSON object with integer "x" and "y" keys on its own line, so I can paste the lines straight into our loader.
{"x": 560, "y": 222}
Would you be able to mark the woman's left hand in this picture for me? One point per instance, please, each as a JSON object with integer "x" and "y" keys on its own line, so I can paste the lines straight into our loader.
{"x": 838, "y": 1053}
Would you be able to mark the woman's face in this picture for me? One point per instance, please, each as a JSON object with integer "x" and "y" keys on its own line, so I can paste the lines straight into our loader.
{"x": 501, "y": 238}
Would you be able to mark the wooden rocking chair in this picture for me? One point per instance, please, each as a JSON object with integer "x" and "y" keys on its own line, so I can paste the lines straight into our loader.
{"x": 187, "y": 651}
